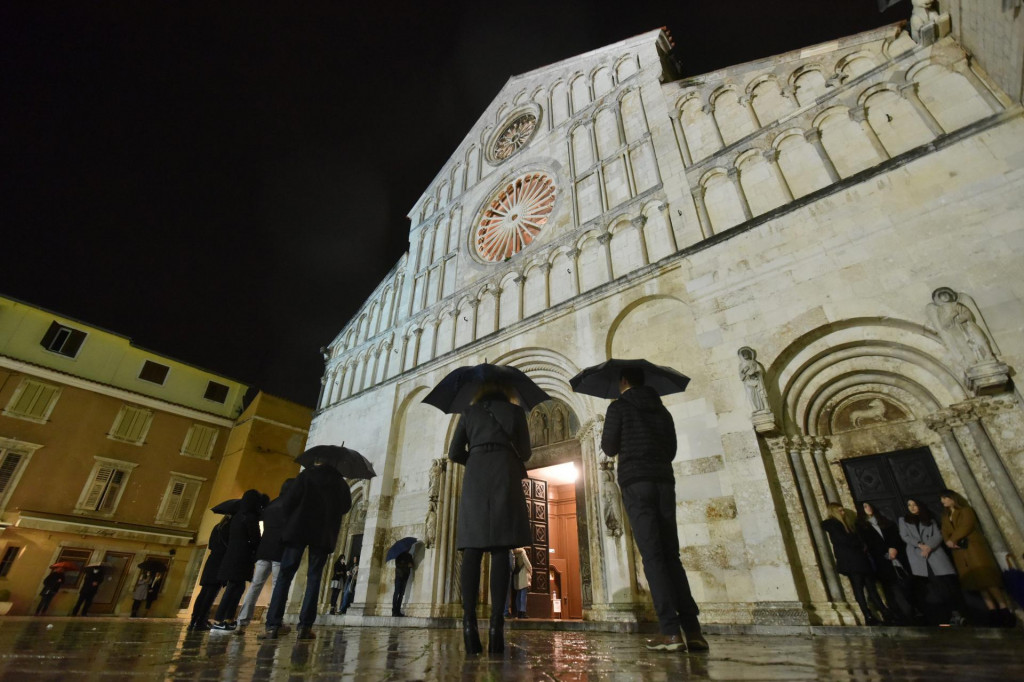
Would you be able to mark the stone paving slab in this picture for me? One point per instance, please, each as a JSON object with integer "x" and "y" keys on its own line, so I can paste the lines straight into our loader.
{"x": 119, "y": 649}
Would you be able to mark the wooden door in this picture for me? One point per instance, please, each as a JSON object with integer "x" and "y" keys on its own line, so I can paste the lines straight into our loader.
{"x": 539, "y": 597}
{"x": 888, "y": 479}
{"x": 113, "y": 582}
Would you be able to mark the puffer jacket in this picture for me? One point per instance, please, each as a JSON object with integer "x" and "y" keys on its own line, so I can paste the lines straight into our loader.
{"x": 640, "y": 431}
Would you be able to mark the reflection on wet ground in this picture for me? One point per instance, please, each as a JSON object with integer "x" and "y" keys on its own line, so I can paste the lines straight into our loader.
{"x": 109, "y": 649}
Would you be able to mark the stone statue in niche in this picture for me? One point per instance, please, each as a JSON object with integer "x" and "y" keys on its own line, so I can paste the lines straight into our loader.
{"x": 538, "y": 428}
{"x": 430, "y": 527}
{"x": 954, "y": 317}
{"x": 752, "y": 375}
{"x": 611, "y": 500}
{"x": 558, "y": 433}
{"x": 434, "y": 489}
{"x": 927, "y": 24}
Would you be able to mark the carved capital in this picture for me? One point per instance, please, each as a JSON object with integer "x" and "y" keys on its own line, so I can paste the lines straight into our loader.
{"x": 732, "y": 172}
{"x": 474, "y": 303}
{"x": 908, "y": 89}
{"x": 544, "y": 267}
{"x": 771, "y": 155}
{"x": 417, "y": 331}
{"x": 813, "y": 135}
{"x": 573, "y": 254}
{"x": 859, "y": 114}
{"x": 497, "y": 291}
{"x": 519, "y": 279}
{"x": 639, "y": 221}
{"x": 604, "y": 238}
{"x": 779, "y": 446}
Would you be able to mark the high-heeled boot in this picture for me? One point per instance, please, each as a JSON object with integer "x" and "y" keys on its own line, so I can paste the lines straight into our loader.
{"x": 471, "y": 637}
{"x": 496, "y": 635}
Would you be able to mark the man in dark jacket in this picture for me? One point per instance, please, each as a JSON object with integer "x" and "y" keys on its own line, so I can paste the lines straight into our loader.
{"x": 268, "y": 555}
{"x": 640, "y": 431}
{"x": 313, "y": 507}
{"x": 92, "y": 578}
{"x": 403, "y": 569}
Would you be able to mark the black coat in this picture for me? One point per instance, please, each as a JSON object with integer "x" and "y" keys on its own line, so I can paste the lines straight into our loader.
{"x": 52, "y": 583}
{"x": 92, "y": 578}
{"x": 403, "y": 565}
{"x": 243, "y": 540}
{"x": 271, "y": 548}
{"x": 851, "y": 555}
{"x": 492, "y": 512}
{"x": 639, "y": 429}
{"x": 314, "y": 505}
{"x": 218, "y": 546}
{"x": 878, "y": 548}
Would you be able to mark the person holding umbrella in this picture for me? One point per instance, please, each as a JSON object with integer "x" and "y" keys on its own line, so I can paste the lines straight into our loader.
{"x": 51, "y": 585}
{"x": 209, "y": 583}
{"x": 399, "y": 552}
{"x": 268, "y": 556}
{"x": 641, "y": 433}
{"x": 313, "y": 506}
{"x": 239, "y": 560}
{"x": 492, "y": 440}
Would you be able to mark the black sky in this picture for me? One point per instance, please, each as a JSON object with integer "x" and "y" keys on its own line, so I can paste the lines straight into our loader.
{"x": 226, "y": 182}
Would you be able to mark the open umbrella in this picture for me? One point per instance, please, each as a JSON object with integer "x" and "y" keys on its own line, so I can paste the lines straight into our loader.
{"x": 603, "y": 380}
{"x": 153, "y": 565}
{"x": 227, "y": 507}
{"x": 403, "y": 545}
{"x": 350, "y": 463}
{"x": 456, "y": 391}
{"x": 65, "y": 566}
{"x": 1014, "y": 579}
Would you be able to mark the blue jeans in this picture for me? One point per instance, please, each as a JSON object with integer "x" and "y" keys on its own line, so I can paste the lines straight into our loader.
{"x": 289, "y": 566}
{"x": 264, "y": 568}
{"x": 521, "y": 599}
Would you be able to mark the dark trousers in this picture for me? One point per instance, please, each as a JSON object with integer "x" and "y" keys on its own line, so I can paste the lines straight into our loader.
{"x": 203, "y": 603}
{"x": 83, "y": 603}
{"x": 396, "y": 600}
{"x": 470, "y": 579}
{"x": 229, "y": 602}
{"x": 335, "y": 591}
{"x": 651, "y": 508}
{"x": 289, "y": 566}
{"x": 864, "y": 585}
{"x": 136, "y": 603}
{"x": 44, "y": 603}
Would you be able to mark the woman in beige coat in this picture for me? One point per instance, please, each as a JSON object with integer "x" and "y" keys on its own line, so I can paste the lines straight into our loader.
{"x": 521, "y": 580}
{"x": 973, "y": 558}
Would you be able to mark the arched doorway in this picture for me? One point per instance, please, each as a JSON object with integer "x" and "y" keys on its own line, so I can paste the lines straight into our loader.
{"x": 555, "y": 496}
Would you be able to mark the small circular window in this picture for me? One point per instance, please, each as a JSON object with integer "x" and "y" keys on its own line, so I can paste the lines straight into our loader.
{"x": 515, "y": 216}
{"x": 514, "y": 136}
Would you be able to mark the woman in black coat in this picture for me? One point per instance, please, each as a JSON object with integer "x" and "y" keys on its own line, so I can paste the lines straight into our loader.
{"x": 240, "y": 558}
{"x": 493, "y": 441}
{"x": 888, "y": 554}
{"x": 853, "y": 562}
{"x": 208, "y": 581}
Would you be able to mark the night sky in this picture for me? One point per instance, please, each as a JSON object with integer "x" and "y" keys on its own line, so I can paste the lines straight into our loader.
{"x": 225, "y": 183}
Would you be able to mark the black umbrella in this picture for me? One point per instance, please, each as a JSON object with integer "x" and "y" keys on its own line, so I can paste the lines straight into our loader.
{"x": 603, "y": 380}
{"x": 403, "y": 545}
{"x": 350, "y": 463}
{"x": 153, "y": 565}
{"x": 455, "y": 392}
{"x": 227, "y": 507}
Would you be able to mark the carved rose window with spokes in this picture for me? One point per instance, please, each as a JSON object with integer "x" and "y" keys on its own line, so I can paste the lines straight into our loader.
{"x": 515, "y": 216}
{"x": 515, "y": 136}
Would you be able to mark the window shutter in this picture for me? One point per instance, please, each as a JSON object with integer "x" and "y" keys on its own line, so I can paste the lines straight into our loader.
{"x": 8, "y": 466}
{"x": 188, "y": 495}
{"x": 73, "y": 343}
{"x": 113, "y": 488}
{"x": 34, "y": 399}
{"x": 99, "y": 484}
{"x": 131, "y": 426}
{"x": 199, "y": 441}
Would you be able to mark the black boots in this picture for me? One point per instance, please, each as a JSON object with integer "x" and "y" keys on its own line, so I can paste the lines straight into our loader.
{"x": 471, "y": 637}
{"x": 496, "y": 641}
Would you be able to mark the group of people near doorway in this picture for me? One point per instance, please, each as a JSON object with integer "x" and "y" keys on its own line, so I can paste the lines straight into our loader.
{"x": 922, "y": 564}
{"x": 146, "y": 590}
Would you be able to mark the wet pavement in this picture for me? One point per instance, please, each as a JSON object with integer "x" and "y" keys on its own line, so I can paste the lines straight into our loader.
{"x": 120, "y": 649}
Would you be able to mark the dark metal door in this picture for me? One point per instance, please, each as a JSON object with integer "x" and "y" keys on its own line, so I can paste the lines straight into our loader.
{"x": 536, "y": 492}
{"x": 888, "y": 479}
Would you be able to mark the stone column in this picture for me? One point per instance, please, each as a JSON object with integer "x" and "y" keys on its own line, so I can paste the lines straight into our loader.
{"x": 706, "y": 229}
{"x": 772, "y": 157}
{"x": 810, "y": 505}
{"x": 1004, "y": 481}
{"x": 387, "y": 359}
{"x": 963, "y": 67}
{"x": 684, "y": 149}
{"x": 497, "y": 291}
{"x": 909, "y": 93}
{"x": 455, "y": 325}
{"x": 638, "y": 223}
{"x": 860, "y": 117}
{"x": 814, "y": 137}
{"x": 475, "y": 304}
{"x": 709, "y": 110}
{"x": 545, "y": 269}
{"x": 323, "y": 388}
{"x": 373, "y": 372}
{"x": 520, "y": 292}
{"x": 734, "y": 177}
{"x": 818, "y": 446}
{"x": 663, "y": 208}
{"x": 574, "y": 256}
{"x": 604, "y": 239}
{"x": 942, "y": 422}
{"x": 396, "y": 299}
{"x": 744, "y": 101}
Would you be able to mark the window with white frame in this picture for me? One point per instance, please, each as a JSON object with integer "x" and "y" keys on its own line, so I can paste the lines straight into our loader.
{"x": 63, "y": 340}
{"x": 106, "y": 485}
{"x": 179, "y": 499}
{"x": 199, "y": 441}
{"x": 14, "y": 457}
{"x": 131, "y": 425}
{"x": 32, "y": 400}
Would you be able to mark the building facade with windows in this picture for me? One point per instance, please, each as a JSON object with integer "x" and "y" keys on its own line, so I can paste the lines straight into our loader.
{"x": 827, "y": 241}
{"x": 108, "y": 453}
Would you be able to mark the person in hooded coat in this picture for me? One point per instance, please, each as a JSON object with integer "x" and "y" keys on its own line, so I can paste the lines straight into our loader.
{"x": 239, "y": 561}
{"x": 268, "y": 556}
{"x": 492, "y": 440}
{"x": 208, "y": 582}
{"x": 313, "y": 505}
{"x": 641, "y": 433}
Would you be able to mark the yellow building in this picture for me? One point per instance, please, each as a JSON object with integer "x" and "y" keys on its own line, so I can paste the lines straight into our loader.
{"x": 111, "y": 453}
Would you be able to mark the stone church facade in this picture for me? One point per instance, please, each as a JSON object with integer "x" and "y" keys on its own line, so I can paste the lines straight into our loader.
{"x": 827, "y": 241}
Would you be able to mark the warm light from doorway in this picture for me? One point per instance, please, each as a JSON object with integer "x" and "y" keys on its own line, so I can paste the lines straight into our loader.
{"x": 560, "y": 474}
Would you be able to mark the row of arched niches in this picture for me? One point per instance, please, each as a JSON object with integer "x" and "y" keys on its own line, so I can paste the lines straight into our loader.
{"x": 752, "y": 139}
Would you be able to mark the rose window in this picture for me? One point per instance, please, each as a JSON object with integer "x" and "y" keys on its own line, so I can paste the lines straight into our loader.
{"x": 515, "y": 216}
{"x": 514, "y": 137}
